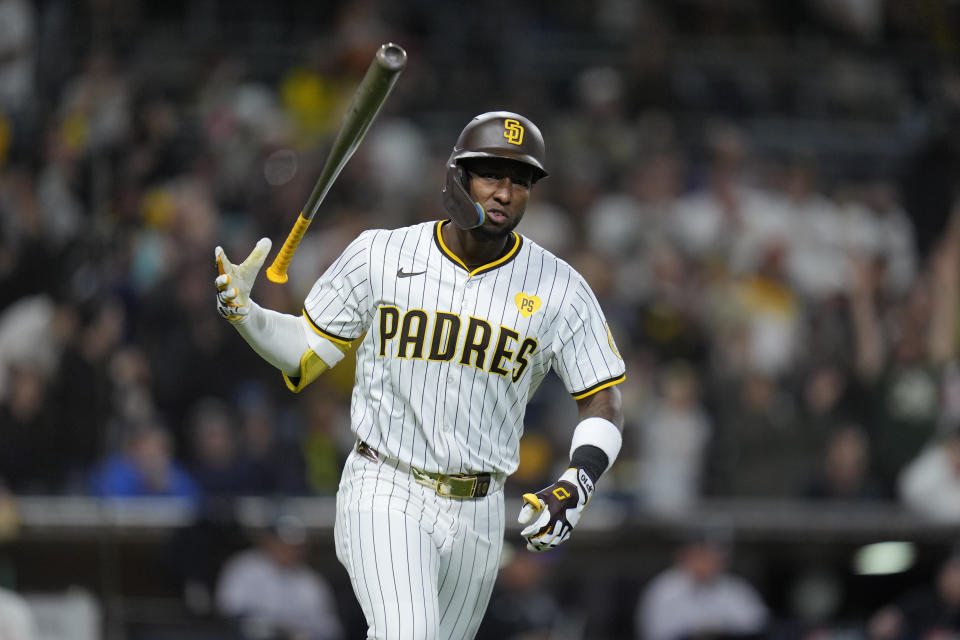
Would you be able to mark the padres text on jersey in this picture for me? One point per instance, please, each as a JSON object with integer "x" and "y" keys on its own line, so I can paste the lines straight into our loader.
{"x": 452, "y": 355}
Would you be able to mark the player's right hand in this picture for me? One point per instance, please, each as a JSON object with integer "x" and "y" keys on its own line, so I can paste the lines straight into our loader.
{"x": 234, "y": 281}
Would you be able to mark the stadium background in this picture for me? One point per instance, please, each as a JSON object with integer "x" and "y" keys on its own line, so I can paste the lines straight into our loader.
{"x": 762, "y": 195}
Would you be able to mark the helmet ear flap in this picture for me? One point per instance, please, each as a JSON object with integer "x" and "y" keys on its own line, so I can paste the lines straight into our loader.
{"x": 463, "y": 210}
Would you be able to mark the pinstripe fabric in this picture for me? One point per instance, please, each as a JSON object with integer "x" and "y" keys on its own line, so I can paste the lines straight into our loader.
{"x": 422, "y": 566}
{"x": 449, "y": 359}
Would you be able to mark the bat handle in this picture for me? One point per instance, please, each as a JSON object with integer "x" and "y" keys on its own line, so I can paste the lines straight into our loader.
{"x": 277, "y": 272}
{"x": 532, "y": 500}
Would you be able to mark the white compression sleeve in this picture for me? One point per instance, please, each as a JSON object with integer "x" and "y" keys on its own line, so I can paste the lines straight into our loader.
{"x": 279, "y": 338}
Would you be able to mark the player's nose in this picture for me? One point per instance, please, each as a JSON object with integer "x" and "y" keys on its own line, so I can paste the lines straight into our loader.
{"x": 503, "y": 192}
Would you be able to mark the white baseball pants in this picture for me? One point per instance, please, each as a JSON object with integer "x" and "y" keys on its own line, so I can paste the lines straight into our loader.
{"x": 422, "y": 565}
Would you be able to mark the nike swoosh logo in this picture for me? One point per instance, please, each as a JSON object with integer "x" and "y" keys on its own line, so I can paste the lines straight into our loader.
{"x": 406, "y": 274}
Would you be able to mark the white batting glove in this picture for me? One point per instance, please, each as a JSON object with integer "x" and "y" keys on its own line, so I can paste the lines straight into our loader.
{"x": 553, "y": 512}
{"x": 235, "y": 281}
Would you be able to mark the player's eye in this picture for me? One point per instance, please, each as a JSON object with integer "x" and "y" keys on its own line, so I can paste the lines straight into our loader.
{"x": 487, "y": 176}
{"x": 494, "y": 176}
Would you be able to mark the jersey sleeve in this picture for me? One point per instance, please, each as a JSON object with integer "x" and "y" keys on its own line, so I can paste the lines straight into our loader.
{"x": 585, "y": 356}
{"x": 339, "y": 306}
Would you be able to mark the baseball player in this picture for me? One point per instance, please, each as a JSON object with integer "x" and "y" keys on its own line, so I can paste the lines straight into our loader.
{"x": 458, "y": 321}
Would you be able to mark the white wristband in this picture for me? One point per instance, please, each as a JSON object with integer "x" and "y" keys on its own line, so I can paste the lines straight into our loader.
{"x": 600, "y": 433}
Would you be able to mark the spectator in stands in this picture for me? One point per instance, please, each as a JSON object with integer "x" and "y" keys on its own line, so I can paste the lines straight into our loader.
{"x": 595, "y": 122}
{"x": 33, "y": 333}
{"x": 901, "y": 375}
{"x": 930, "y": 483}
{"x": 673, "y": 437}
{"x": 271, "y": 591}
{"x": 815, "y": 241}
{"x": 879, "y": 226}
{"x": 270, "y": 463}
{"x": 667, "y": 319}
{"x": 27, "y": 431}
{"x": 630, "y": 224}
{"x": 712, "y": 217}
{"x": 144, "y": 468}
{"x": 758, "y": 448}
{"x": 18, "y": 63}
{"x": 186, "y": 351}
{"x": 824, "y": 403}
{"x": 16, "y": 618}
{"x": 82, "y": 387}
{"x": 763, "y": 306}
{"x": 132, "y": 398}
{"x": 926, "y": 611}
{"x": 214, "y": 462}
{"x": 98, "y": 100}
{"x": 698, "y": 596}
{"x": 845, "y": 472}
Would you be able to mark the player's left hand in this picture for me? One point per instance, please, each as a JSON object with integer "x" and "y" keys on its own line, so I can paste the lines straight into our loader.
{"x": 234, "y": 281}
{"x": 553, "y": 512}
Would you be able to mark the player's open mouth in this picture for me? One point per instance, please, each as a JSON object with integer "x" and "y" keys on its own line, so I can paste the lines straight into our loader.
{"x": 496, "y": 216}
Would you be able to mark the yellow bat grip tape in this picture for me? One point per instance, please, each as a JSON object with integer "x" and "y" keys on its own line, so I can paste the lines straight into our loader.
{"x": 277, "y": 272}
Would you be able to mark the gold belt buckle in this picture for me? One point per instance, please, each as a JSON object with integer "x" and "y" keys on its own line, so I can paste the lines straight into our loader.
{"x": 447, "y": 484}
{"x": 424, "y": 478}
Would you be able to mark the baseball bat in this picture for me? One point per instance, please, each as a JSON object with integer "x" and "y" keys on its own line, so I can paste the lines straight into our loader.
{"x": 367, "y": 100}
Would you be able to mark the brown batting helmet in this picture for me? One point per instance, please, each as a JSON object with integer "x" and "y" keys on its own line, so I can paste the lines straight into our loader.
{"x": 495, "y": 134}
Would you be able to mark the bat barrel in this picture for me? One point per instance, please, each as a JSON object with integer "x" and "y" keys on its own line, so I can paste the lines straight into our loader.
{"x": 370, "y": 96}
{"x": 392, "y": 56}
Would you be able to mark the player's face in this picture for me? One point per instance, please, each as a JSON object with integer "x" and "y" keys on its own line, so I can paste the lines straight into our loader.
{"x": 502, "y": 187}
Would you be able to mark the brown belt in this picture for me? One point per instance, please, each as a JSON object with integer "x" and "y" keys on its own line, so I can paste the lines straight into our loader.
{"x": 455, "y": 485}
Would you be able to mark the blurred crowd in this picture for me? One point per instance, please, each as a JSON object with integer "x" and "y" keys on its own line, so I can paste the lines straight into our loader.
{"x": 762, "y": 195}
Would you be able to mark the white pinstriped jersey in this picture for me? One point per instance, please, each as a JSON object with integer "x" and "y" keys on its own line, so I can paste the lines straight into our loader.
{"x": 451, "y": 356}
